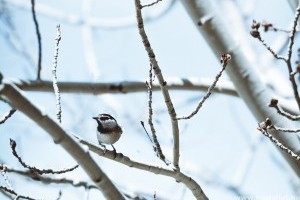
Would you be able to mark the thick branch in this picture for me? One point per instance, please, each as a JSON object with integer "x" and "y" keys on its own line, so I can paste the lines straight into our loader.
{"x": 60, "y": 136}
{"x": 240, "y": 70}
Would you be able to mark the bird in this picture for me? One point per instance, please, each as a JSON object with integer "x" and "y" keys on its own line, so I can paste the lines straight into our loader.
{"x": 108, "y": 130}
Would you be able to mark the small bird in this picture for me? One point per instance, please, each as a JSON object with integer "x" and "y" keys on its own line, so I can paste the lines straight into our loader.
{"x": 108, "y": 130}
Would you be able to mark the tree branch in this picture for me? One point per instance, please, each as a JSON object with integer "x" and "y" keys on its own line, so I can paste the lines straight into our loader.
{"x": 162, "y": 83}
{"x": 192, "y": 84}
{"x": 7, "y": 115}
{"x": 119, "y": 157}
{"x": 48, "y": 180}
{"x": 39, "y": 39}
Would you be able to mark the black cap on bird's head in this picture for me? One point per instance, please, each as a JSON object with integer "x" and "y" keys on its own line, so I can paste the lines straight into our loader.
{"x": 104, "y": 117}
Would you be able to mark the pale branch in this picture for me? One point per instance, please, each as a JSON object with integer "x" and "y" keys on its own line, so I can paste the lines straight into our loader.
{"x": 188, "y": 84}
{"x": 119, "y": 157}
{"x": 15, "y": 97}
{"x": 7, "y": 115}
{"x": 274, "y": 104}
{"x": 88, "y": 41}
{"x": 13, "y": 146}
{"x": 94, "y": 22}
{"x": 125, "y": 87}
{"x": 224, "y": 60}
{"x": 242, "y": 71}
{"x": 157, "y": 147}
{"x": 262, "y": 127}
{"x": 162, "y": 83}
{"x": 49, "y": 180}
{"x": 54, "y": 76}
{"x": 39, "y": 39}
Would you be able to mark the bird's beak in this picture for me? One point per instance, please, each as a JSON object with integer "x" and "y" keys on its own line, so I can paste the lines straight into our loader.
{"x": 95, "y": 118}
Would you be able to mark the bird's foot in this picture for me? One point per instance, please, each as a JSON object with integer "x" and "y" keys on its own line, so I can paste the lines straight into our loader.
{"x": 105, "y": 150}
{"x": 115, "y": 152}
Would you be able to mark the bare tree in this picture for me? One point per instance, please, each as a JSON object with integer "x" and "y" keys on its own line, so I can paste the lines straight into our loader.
{"x": 118, "y": 66}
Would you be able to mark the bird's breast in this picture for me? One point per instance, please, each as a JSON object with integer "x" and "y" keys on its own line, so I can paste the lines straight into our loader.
{"x": 108, "y": 138}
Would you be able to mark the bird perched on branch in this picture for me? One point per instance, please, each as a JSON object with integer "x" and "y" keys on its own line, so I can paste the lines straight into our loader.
{"x": 108, "y": 130}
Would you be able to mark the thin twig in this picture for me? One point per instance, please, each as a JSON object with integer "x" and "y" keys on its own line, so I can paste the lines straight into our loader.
{"x": 59, "y": 195}
{"x": 274, "y": 103}
{"x": 256, "y": 34}
{"x": 7, "y": 115}
{"x": 270, "y": 27}
{"x": 286, "y": 130}
{"x": 38, "y": 34}
{"x": 156, "y": 144}
{"x": 13, "y": 146}
{"x": 150, "y": 4}
{"x": 143, "y": 125}
{"x": 55, "y": 86}
{"x": 263, "y": 129}
{"x": 162, "y": 83}
{"x": 279, "y": 57}
{"x": 119, "y": 157}
{"x": 10, "y": 191}
{"x": 210, "y": 89}
{"x": 46, "y": 180}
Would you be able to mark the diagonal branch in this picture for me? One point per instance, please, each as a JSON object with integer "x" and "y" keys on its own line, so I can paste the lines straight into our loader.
{"x": 7, "y": 115}
{"x": 119, "y": 157}
{"x": 60, "y": 136}
{"x": 241, "y": 71}
{"x": 210, "y": 89}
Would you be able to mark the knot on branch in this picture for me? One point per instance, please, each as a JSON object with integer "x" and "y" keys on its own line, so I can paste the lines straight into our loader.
{"x": 224, "y": 59}
{"x": 273, "y": 103}
{"x": 254, "y": 29}
{"x": 263, "y": 126}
